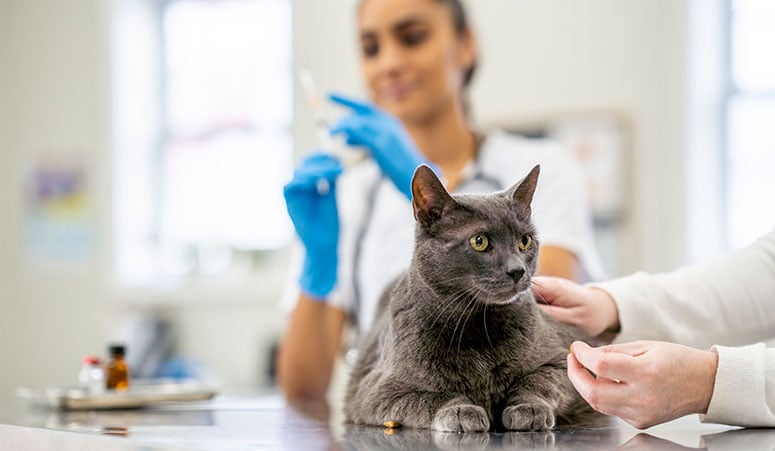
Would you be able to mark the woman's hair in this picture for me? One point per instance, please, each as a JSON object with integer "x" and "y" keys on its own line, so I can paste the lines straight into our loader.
{"x": 460, "y": 20}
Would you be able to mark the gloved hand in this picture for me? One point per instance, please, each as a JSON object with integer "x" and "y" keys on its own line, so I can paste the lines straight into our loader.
{"x": 385, "y": 138}
{"x": 311, "y": 201}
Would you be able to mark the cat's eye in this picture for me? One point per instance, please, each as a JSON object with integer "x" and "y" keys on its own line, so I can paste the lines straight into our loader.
{"x": 524, "y": 243}
{"x": 479, "y": 242}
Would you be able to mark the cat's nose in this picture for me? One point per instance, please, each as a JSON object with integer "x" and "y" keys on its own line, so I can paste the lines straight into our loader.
{"x": 516, "y": 274}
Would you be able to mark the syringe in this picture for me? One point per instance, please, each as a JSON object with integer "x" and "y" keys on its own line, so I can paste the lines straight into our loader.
{"x": 325, "y": 140}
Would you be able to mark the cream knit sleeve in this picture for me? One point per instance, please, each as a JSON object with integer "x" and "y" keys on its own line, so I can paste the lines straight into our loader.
{"x": 744, "y": 392}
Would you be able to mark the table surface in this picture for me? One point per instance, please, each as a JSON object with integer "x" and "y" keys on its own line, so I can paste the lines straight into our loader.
{"x": 268, "y": 422}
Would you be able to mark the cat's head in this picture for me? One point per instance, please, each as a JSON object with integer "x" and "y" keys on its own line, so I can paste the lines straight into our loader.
{"x": 475, "y": 245}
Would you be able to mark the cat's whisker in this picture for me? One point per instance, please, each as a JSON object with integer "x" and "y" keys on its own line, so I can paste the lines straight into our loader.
{"x": 537, "y": 296}
{"x": 450, "y": 304}
{"x": 462, "y": 329}
{"x": 448, "y": 310}
{"x": 484, "y": 321}
{"x": 468, "y": 304}
{"x": 472, "y": 307}
{"x": 458, "y": 306}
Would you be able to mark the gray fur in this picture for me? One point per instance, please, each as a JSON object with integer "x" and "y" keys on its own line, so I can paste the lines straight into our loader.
{"x": 459, "y": 343}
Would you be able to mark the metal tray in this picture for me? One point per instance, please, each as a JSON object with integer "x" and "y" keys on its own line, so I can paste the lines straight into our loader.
{"x": 136, "y": 396}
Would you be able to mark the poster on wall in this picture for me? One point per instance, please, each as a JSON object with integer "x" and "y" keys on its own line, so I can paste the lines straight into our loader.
{"x": 58, "y": 219}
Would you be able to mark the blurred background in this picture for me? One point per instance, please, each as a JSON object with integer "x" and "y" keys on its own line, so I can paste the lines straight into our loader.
{"x": 144, "y": 145}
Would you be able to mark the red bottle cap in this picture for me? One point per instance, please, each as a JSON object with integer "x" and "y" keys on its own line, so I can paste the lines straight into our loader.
{"x": 91, "y": 360}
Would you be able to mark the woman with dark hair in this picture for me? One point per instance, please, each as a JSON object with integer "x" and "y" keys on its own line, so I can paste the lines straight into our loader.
{"x": 357, "y": 230}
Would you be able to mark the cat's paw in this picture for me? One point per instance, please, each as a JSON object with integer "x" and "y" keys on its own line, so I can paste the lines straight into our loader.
{"x": 461, "y": 418}
{"x": 528, "y": 417}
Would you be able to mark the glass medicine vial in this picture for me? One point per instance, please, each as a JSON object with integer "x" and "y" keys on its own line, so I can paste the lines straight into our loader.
{"x": 91, "y": 377}
{"x": 116, "y": 371}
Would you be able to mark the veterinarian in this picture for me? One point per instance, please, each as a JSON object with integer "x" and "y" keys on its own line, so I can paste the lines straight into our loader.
{"x": 357, "y": 228}
{"x": 730, "y": 300}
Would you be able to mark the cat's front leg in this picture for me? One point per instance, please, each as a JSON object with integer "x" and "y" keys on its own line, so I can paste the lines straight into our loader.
{"x": 532, "y": 415}
{"x": 461, "y": 415}
{"x": 534, "y": 400}
{"x": 394, "y": 400}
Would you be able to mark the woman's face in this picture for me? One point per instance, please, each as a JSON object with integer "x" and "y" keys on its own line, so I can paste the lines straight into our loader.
{"x": 413, "y": 59}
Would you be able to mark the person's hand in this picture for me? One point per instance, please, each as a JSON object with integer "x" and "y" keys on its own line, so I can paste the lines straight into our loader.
{"x": 590, "y": 309}
{"x": 643, "y": 382}
{"x": 311, "y": 201}
{"x": 384, "y": 137}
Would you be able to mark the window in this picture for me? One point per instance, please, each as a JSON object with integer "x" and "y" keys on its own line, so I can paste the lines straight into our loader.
{"x": 750, "y": 122}
{"x": 203, "y": 113}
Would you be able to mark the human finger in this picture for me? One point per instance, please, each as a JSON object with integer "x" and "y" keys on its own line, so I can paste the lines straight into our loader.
{"x": 349, "y": 126}
{"x": 561, "y": 314}
{"x": 315, "y": 168}
{"x": 320, "y": 165}
{"x": 358, "y": 106}
{"x": 631, "y": 348}
{"x": 604, "y": 395}
{"x": 355, "y": 129}
{"x": 548, "y": 290}
{"x": 610, "y": 365}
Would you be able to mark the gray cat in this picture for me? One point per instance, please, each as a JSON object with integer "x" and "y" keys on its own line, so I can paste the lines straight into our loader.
{"x": 459, "y": 343}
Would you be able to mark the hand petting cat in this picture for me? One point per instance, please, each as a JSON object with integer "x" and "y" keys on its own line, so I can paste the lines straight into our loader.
{"x": 590, "y": 309}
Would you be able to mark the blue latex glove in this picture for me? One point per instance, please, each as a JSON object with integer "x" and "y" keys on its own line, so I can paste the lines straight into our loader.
{"x": 385, "y": 138}
{"x": 311, "y": 201}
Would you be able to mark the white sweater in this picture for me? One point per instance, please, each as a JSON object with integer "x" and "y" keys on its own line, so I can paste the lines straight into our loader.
{"x": 728, "y": 302}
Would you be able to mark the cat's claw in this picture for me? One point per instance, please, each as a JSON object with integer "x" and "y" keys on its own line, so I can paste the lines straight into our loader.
{"x": 461, "y": 418}
{"x": 528, "y": 417}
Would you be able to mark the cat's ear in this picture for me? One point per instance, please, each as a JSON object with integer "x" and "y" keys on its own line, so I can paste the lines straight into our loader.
{"x": 430, "y": 200}
{"x": 522, "y": 192}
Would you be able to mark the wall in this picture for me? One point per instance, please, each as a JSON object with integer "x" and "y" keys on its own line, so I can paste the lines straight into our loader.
{"x": 53, "y": 97}
{"x": 6, "y": 195}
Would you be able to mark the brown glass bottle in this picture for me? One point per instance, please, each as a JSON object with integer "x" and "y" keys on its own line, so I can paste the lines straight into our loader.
{"x": 116, "y": 371}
